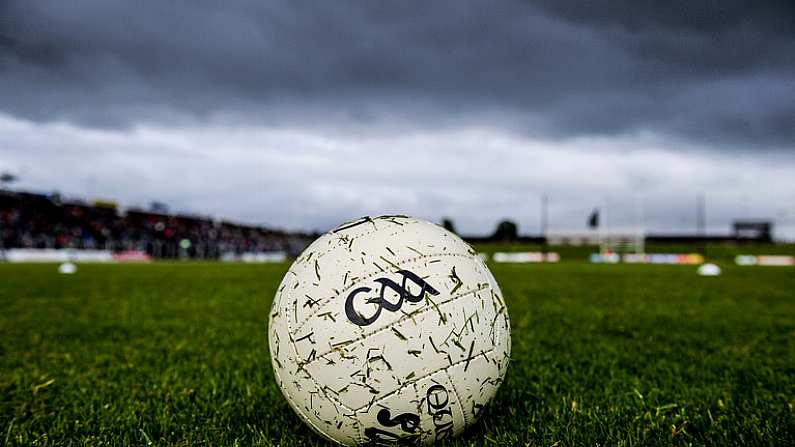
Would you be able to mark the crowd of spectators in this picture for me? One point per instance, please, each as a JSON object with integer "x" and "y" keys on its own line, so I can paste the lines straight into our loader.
{"x": 30, "y": 220}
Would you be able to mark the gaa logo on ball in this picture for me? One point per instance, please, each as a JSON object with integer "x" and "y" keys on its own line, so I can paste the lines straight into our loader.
{"x": 389, "y": 330}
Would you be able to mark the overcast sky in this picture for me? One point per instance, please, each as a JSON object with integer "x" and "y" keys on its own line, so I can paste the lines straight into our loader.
{"x": 301, "y": 115}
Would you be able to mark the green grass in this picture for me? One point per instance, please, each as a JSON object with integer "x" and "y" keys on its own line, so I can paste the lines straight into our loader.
{"x": 175, "y": 354}
{"x": 718, "y": 252}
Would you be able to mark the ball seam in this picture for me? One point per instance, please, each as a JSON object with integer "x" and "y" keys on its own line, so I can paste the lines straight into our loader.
{"x": 455, "y": 391}
{"x": 327, "y": 251}
{"x": 426, "y": 309}
{"x": 300, "y": 326}
{"x": 443, "y": 369}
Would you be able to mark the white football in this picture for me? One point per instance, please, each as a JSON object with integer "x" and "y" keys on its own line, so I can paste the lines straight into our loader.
{"x": 709, "y": 270}
{"x": 389, "y": 329}
{"x": 67, "y": 268}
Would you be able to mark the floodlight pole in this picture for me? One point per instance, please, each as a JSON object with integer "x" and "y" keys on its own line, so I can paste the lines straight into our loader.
{"x": 544, "y": 222}
{"x": 701, "y": 222}
{"x": 4, "y": 180}
{"x": 642, "y": 214}
{"x": 603, "y": 229}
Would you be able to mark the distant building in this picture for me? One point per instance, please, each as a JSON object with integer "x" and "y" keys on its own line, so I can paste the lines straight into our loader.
{"x": 761, "y": 230}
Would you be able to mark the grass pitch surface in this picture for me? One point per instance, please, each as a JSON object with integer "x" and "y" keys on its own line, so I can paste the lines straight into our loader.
{"x": 175, "y": 354}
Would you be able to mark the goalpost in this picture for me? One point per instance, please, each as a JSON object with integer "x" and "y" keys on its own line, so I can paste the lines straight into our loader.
{"x": 608, "y": 241}
{"x": 622, "y": 241}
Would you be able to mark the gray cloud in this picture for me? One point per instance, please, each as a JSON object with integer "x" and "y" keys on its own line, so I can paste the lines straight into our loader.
{"x": 719, "y": 74}
{"x": 304, "y": 179}
{"x": 304, "y": 114}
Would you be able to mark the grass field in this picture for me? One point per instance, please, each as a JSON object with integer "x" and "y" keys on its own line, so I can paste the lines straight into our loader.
{"x": 175, "y": 354}
{"x": 714, "y": 252}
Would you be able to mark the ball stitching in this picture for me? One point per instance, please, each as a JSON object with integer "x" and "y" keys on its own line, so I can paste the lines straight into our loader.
{"x": 366, "y": 278}
{"x": 417, "y": 379}
{"x": 426, "y": 309}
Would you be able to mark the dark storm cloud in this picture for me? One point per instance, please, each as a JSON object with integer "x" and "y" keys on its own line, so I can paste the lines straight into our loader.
{"x": 719, "y": 73}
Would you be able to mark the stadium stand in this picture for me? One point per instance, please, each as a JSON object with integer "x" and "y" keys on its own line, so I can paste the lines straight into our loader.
{"x": 29, "y": 220}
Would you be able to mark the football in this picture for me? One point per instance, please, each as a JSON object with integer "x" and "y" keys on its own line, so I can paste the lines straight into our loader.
{"x": 67, "y": 268}
{"x": 389, "y": 329}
